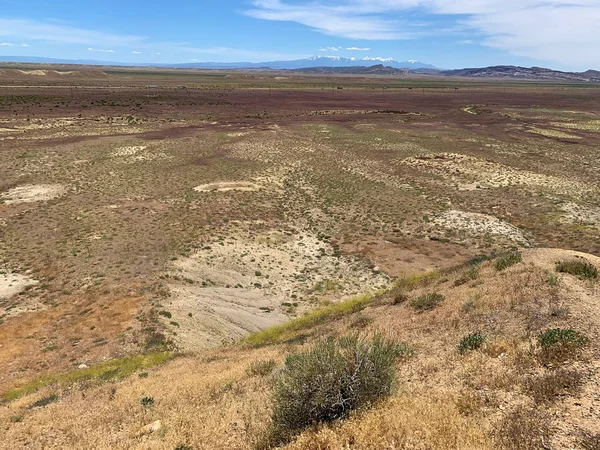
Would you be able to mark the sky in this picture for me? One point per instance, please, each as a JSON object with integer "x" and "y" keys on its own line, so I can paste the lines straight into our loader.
{"x": 561, "y": 34}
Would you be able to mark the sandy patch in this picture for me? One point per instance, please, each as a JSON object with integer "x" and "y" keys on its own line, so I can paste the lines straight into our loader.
{"x": 32, "y": 193}
{"x": 552, "y": 133}
{"x": 137, "y": 153}
{"x": 225, "y": 186}
{"x": 13, "y": 283}
{"x": 238, "y": 285}
{"x": 479, "y": 224}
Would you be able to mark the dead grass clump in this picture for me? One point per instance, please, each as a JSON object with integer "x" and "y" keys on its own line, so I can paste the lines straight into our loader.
{"x": 549, "y": 387}
{"x": 590, "y": 441}
{"x": 261, "y": 367}
{"x": 334, "y": 378}
{"x": 583, "y": 270}
{"x": 427, "y": 302}
{"x": 470, "y": 274}
{"x": 523, "y": 429}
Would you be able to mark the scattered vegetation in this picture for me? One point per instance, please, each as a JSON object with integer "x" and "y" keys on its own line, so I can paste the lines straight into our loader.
{"x": 471, "y": 342}
{"x": 583, "y": 270}
{"x": 427, "y": 302}
{"x": 334, "y": 378}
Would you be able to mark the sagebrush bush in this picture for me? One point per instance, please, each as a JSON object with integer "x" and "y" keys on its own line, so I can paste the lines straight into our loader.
{"x": 560, "y": 344}
{"x": 334, "y": 378}
{"x": 427, "y": 302}
{"x": 505, "y": 261}
{"x": 471, "y": 342}
{"x": 581, "y": 269}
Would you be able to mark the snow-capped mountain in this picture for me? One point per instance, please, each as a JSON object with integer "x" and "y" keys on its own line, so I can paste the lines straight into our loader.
{"x": 341, "y": 61}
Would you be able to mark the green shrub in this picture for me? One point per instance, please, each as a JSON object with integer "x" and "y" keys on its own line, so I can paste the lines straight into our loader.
{"x": 509, "y": 259}
{"x": 560, "y": 344}
{"x": 471, "y": 342}
{"x": 334, "y": 378}
{"x": 583, "y": 270}
{"x": 427, "y": 302}
{"x": 261, "y": 368}
{"x": 44, "y": 401}
{"x": 147, "y": 401}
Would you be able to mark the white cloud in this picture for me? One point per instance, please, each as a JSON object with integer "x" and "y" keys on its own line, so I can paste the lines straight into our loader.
{"x": 137, "y": 53}
{"x": 7, "y": 44}
{"x": 564, "y": 31}
{"x": 330, "y": 49}
{"x": 62, "y": 33}
{"x": 100, "y": 50}
{"x": 358, "y": 49}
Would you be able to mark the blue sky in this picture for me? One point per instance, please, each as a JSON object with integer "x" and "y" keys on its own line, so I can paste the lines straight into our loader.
{"x": 562, "y": 34}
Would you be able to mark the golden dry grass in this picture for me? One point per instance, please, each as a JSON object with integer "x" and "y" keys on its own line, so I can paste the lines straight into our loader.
{"x": 445, "y": 400}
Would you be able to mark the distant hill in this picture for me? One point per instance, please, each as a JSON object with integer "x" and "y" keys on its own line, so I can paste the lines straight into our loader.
{"x": 531, "y": 73}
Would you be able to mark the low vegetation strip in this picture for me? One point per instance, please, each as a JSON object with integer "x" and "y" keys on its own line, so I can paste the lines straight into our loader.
{"x": 114, "y": 369}
{"x": 285, "y": 331}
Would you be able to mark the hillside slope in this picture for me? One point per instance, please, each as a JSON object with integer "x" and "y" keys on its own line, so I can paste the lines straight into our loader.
{"x": 506, "y": 394}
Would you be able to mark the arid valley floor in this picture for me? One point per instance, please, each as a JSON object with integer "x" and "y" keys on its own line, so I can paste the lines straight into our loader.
{"x": 186, "y": 216}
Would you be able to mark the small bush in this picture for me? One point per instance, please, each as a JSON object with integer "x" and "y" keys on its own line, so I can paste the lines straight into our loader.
{"x": 334, "y": 378}
{"x": 560, "y": 344}
{"x": 548, "y": 387}
{"x": 471, "y": 342}
{"x": 399, "y": 299}
{"x": 44, "y": 401}
{"x": 583, "y": 270}
{"x": 147, "y": 402}
{"x": 261, "y": 368}
{"x": 505, "y": 261}
{"x": 427, "y": 302}
{"x": 166, "y": 314}
{"x": 523, "y": 429}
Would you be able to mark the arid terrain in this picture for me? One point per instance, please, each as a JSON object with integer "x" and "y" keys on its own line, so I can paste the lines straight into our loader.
{"x": 180, "y": 218}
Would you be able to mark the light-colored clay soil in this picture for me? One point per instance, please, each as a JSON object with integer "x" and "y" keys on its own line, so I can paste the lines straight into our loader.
{"x": 246, "y": 283}
{"x": 13, "y": 283}
{"x": 225, "y": 186}
{"x": 32, "y": 193}
{"x": 479, "y": 224}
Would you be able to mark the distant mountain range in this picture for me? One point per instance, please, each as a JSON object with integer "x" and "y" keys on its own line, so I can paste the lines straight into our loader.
{"x": 314, "y": 61}
{"x": 343, "y": 65}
